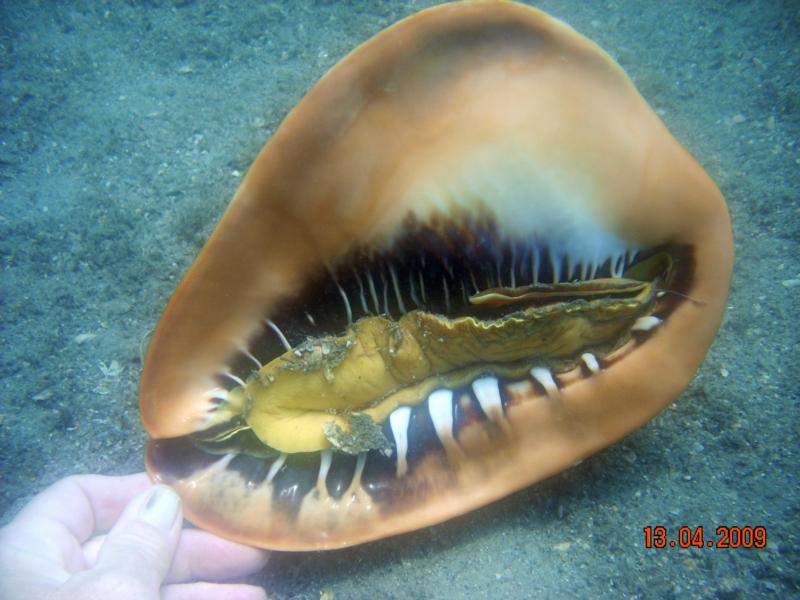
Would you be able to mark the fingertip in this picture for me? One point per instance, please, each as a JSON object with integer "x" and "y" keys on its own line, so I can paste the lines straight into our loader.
{"x": 258, "y": 594}
{"x": 144, "y": 539}
{"x": 202, "y": 555}
{"x": 161, "y": 508}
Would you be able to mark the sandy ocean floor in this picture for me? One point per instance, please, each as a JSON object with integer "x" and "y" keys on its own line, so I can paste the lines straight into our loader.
{"x": 127, "y": 126}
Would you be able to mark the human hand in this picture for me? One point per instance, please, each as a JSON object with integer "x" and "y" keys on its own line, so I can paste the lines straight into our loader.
{"x": 48, "y": 551}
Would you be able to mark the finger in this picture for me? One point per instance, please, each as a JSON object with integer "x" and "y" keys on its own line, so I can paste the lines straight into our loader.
{"x": 204, "y": 556}
{"x": 85, "y": 503}
{"x": 42, "y": 543}
{"x": 201, "y": 556}
{"x": 38, "y": 549}
{"x": 45, "y": 537}
{"x": 212, "y": 591}
{"x": 91, "y": 550}
{"x": 143, "y": 541}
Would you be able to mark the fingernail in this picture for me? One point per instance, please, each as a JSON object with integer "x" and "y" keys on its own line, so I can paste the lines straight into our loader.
{"x": 161, "y": 508}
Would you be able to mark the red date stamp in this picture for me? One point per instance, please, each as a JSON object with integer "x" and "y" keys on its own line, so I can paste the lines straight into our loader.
{"x": 726, "y": 536}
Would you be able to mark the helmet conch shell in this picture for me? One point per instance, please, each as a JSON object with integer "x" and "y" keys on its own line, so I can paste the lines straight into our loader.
{"x": 478, "y": 144}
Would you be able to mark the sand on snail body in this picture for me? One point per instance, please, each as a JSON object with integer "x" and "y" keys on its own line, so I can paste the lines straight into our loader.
{"x": 470, "y": 257}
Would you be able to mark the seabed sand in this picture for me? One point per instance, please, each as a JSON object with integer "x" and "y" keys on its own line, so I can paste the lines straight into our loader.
{"x": 126, "y": 128}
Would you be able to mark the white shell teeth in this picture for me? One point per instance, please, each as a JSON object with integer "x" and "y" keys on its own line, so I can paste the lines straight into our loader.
{"x": 618, "y": 264}
{"x": 243, "y": 349}
{"x": 398, "y": 421}
{"x": 440, "y": 406}
{"x": 646, "y": 323}
{"x": 276, "y": 466}
{"x": 360, "y": 462}
{"x": 234, "y": 378}
{"x": 590, "y": 361}
{"x": 595, "y": 265}
{"x": 584, "y": 270}
{"x": 487, "y": 391}
{"x": 218, "y": 393}
{"x": 325, "y": 458}
{"x": 545, "y": 378}
{"x": 555, "y": 265}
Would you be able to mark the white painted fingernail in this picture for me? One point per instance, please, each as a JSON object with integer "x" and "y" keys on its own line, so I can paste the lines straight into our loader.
{"x": 161, "y": 508}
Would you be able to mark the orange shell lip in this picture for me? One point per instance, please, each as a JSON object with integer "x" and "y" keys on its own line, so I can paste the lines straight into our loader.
{"x": 496, "y": 119}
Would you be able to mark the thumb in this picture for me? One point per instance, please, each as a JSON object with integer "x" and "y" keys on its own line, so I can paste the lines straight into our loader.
{"x": 142, "y": 543}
